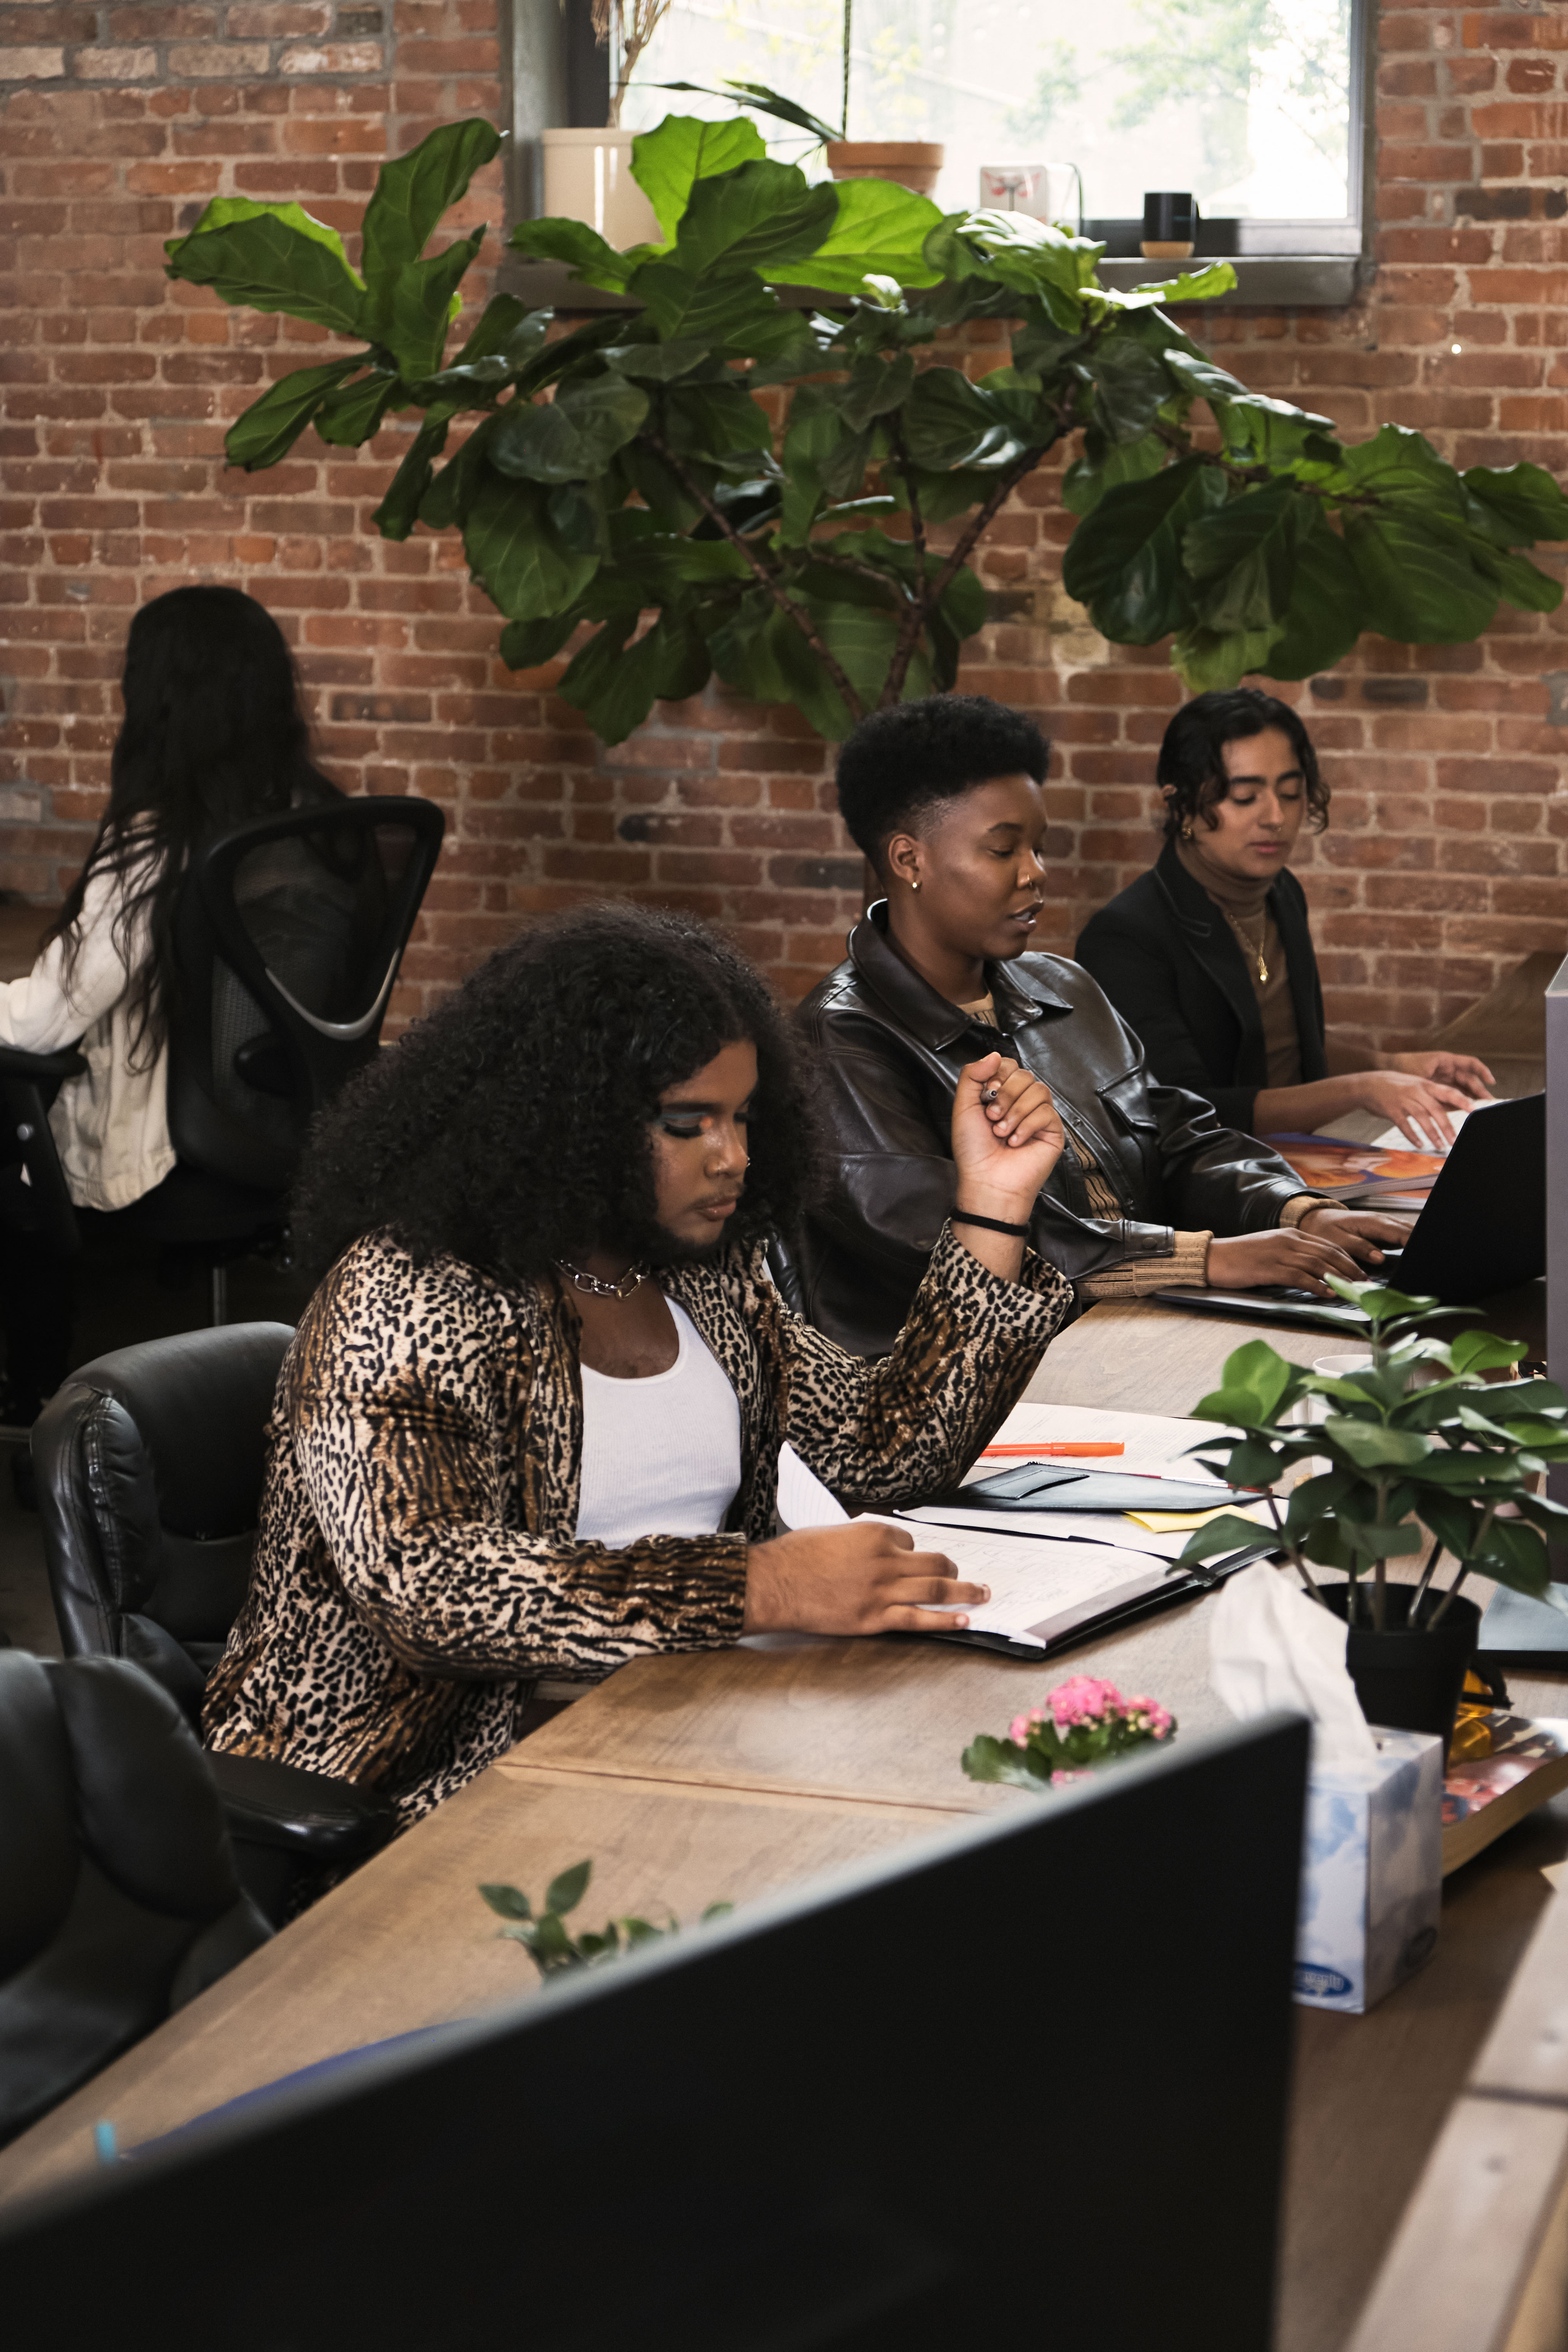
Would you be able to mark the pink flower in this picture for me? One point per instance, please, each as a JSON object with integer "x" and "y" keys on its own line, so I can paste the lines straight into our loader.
{"x": 1018, "y": 1730}
{"x": 1084, "y": 1699}
{"x": 1058, "y": 1777}
{"x": 1149, "y": 1715}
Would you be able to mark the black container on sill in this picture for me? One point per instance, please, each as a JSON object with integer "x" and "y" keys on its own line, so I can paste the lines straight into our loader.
{"x": 1408, "y": 1677}
{"x": 1170, "y": 216}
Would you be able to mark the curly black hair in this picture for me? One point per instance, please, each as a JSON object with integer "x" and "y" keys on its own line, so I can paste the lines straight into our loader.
{"x": 513, "y": 1125}
{"x": 1191, "y": 772}
{"x": 900, "y": 763}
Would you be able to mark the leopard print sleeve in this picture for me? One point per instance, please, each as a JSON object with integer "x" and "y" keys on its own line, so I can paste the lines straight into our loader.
{"x": 898, "y": 1430}
{"x": 426, "y": 1420}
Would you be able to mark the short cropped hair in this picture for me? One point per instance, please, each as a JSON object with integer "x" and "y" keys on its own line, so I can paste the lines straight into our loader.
{"x": 511, "y": 1125}
{"x": 1191, "y": 772}
{"x": 901, "y": 763}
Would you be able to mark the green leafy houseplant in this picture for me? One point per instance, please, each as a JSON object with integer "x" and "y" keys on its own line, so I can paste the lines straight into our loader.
{"x": 1457, "y": 1457}
{"x": 550, "y": 1943}
{"x": 1084, "y": 1723}
{"x": 632, "y": 478}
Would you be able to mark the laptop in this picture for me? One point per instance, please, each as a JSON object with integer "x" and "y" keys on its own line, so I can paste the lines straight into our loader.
{"x": 1483, "y": 1229}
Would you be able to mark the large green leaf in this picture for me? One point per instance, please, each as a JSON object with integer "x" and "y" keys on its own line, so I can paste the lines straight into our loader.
{"x": 415, "y": 313}
{"x": 269, "y": 427}
{"x": 1326, "y": 610}
{"x": 504, "y": 345}
{"x": 876, "y": 386}
{"x": 516, "y": 555}
{"x": 453, "y": 491}
{"x": 395, "y": 517}
{"x": 222, "y": 210}
{"x": 1418, "y": 588}
{"x": 667, "y": 162}
{"x": 1518, "y": 579}
{"x": 413, "y": 191}
{"x": 1105, "y": 464}
{"x": 718, "y": 422}
{"x": 1398, "y": 463}
{"x": 1124, "y": 562}
{"x": 722, "y": 308}
{"x": 1211, "y": 661}
{"x": 1131, "y": 387}
{"x": 879, "y": 229}
{"x": 617, "y": 684}
{"x": 1526, "y": 502}
{"x": 572, "y": 436}
{"x": 754, "y": 217}
{"x": 574, "y": 242}
{"x": 351, "y": 415}
{"x": 949, "y": 422}
{"x": 524, "y": 645}
{"x": 266, "y": 264}
{"x": 1242, "y": 558}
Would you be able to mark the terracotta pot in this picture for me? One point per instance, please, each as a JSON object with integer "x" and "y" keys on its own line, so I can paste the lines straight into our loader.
{"x": 913, "y": 163}
{"x": 1408, "y": 1679}
{"x": 588, "y": 177}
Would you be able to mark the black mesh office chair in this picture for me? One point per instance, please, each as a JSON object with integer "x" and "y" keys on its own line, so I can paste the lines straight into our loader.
{"x": 149, "y": 1465}
{"x": 119, "y": 1900}
{"x": 288, "y": 933}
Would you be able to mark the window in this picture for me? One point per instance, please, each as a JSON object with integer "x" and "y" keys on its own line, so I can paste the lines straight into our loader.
{"x": 1253, "y": 105}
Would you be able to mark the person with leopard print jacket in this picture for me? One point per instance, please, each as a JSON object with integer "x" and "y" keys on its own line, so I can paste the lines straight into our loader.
{"x": 529, "y": 1425}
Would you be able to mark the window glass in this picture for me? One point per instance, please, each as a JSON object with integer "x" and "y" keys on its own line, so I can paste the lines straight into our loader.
{"x": 1245, "y": 102}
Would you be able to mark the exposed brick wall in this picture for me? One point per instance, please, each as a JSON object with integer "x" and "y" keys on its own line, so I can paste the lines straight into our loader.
{"x": 1445, "y": 860}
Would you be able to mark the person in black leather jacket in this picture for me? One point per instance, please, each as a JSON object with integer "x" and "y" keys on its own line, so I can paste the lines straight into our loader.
{"x": 944, "y": 796}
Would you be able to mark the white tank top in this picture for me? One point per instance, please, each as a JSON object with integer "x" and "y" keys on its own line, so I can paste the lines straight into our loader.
{"x": 661, "y": 1457}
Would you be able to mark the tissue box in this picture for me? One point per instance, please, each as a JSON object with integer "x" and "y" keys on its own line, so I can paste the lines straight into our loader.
{"x": 1371, "y": 1873}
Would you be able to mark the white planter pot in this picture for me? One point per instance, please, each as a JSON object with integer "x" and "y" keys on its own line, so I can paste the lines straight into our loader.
{"x": 588, "y": 177}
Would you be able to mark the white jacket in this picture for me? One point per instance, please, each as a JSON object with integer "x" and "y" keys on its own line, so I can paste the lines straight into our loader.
{"x": 110, "y": 1124}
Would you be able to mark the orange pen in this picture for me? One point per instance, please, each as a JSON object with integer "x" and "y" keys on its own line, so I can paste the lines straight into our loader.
{"x": 1064, "y": 1445}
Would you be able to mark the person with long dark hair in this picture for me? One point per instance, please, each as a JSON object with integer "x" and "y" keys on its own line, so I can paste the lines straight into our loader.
{"x": 212, "y": 733}
{"x": 945, "y": 796}
{"x": 529, "y": 1425}
{"x": 1209, "y": 958}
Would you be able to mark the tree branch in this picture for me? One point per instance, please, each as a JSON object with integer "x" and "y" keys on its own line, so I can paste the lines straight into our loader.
{"x": 932, "y": 591}
{"x": 906, "y": 468}
{"x": 796, "y": 613}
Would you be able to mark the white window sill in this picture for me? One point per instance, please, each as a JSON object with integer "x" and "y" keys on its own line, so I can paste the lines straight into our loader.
{"x": 1275, "y": 282}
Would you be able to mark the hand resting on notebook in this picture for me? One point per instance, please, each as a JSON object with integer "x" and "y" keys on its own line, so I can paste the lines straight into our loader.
{"x": 866, "y": 1577}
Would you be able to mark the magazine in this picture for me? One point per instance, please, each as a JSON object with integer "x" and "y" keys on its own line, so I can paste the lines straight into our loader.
{"x": 1344, "y": 1171}
{"x": 1484, "y": 1795}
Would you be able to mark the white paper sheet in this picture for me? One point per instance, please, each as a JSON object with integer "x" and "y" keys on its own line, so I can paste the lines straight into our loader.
{"x": 1030, "y": 1578}
{"x": 1155, "y": 1444}
{"x": 1062, "y": 1527}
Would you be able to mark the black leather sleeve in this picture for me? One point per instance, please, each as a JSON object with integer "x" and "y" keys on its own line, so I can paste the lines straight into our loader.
{"x": 1137, "y": 971}
{"x": 1215, "y": 1179}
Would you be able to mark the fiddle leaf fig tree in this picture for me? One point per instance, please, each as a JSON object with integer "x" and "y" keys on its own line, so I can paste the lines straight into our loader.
{"x": 721, "y": 476}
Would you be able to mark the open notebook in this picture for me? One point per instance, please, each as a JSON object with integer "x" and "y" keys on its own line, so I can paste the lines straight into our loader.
{"x": 1055, "y": 1577}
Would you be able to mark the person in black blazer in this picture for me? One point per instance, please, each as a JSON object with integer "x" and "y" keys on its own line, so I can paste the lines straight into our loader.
{"x": 1208, "y": 957}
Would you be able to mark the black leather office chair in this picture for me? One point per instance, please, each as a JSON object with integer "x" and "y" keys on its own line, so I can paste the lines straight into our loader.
{"x": 149, "y": 1465}
{"x": 119, "y": 1900}
{"x": 288, "y": 934}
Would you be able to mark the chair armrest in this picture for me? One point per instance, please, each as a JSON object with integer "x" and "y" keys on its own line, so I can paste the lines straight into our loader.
{"x": 44, "y": 1069}
{"x": 307, "y": 1814}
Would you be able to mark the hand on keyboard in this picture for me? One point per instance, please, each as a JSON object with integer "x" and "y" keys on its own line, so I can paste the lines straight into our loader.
{"x": 1295, "y": 1258}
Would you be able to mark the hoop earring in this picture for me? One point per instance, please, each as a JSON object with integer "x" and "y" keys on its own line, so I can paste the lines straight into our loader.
{"x": 1186, "y": 828}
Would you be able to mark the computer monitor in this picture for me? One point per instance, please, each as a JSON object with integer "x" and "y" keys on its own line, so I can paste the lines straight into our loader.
{"x": 1025, "y": 2082}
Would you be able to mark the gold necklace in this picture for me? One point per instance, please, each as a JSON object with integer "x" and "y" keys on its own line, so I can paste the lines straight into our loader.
{"x": 1253, "y": 947}
{"x": 633, "y": 1279}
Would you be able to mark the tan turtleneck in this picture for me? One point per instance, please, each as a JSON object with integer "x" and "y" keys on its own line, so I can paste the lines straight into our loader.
{"x": 1244, "y": 905}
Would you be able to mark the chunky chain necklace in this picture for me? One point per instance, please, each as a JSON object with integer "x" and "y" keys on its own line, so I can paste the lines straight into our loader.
{"x": 1253, "y": 947}
{"x": 633, "y": 1279}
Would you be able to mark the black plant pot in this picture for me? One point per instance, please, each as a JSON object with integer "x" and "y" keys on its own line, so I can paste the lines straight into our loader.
{"x": 1408, "y": 1677}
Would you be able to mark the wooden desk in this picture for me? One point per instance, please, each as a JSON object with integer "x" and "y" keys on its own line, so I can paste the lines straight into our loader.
{"x": 728, "y": 1773}
{"x": 407, "y": 1942}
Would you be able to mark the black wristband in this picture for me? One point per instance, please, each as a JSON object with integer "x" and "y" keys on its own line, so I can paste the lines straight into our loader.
{"x": 992, "y": 1224}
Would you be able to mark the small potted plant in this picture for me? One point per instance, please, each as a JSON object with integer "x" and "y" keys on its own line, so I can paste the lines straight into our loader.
{"x": 910, "y": 163}
{"x": 1423, "y": 1453}
{"x": 588, "y": 173}
{"x": 1084, "y": 1723}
